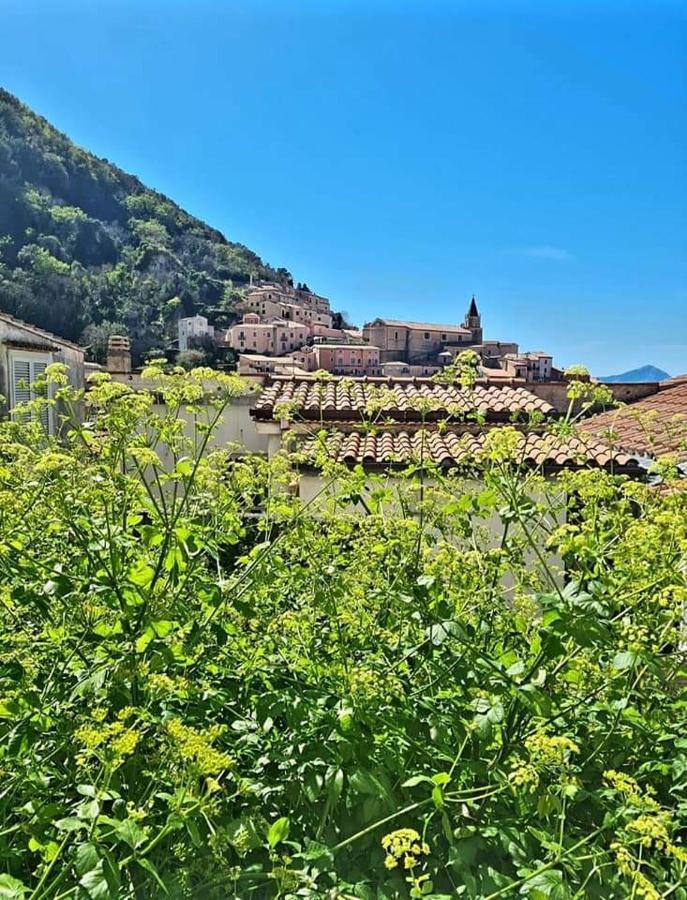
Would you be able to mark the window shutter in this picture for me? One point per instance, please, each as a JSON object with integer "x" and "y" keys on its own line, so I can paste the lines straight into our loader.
{"x": 24, "y": 373}
{"x": 21, "y": 381}
{"x": 37, "y": 369}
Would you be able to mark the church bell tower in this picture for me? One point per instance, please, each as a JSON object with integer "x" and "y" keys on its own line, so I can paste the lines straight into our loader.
{"x": 473, "y": 321}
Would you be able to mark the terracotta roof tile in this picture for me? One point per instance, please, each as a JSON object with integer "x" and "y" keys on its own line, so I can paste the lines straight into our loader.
{"x": 652, "y": 427}
{"x": 346, "y": 399}
{"x": 452, "y": 449}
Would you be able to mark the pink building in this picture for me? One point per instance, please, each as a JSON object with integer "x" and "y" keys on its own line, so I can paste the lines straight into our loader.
{"x": 341, "y": 359}
{"x": 333, "y": 335}
{"x": 268, "y": 338}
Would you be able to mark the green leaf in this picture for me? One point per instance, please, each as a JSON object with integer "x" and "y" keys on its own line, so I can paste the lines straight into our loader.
{"x": 624, "y": 660}
{"x": 150, "y": 868}
{"x": 278, "y": 832}
{"x": 184, "y": 467}
{"x": 546, "y": 884}
{"x": 11, "y": 888}
{"x": 441, "y": 778}
{"x": 131, "y": 833}
{"x": 417, "y": 779}
{"x": 438, "y": 797}
{"x": 70, "y": 823}
{"x": 86, "y": 859}
{"x": 96, "y": 884}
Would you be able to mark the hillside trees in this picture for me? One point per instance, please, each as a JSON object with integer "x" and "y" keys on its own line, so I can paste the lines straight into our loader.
{"x": 83, "y": 244}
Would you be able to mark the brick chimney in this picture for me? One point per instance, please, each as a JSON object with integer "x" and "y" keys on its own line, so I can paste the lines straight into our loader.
{"x": 118, "y": 354}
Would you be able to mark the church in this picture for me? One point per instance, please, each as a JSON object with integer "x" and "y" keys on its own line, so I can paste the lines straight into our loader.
{"x": 425, "y": 343}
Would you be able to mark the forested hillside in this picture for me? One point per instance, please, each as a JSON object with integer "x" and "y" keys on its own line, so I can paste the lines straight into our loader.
{"x": 87, "y": 250}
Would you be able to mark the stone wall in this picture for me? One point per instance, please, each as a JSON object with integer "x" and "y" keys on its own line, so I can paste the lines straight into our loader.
{"x": 556, "y": 392}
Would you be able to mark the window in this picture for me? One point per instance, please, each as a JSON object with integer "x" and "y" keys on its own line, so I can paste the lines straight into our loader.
{"x": 242, "y": 335}
{"x": 24, "y": 371}
{"x": 443, "y": 337}
{"x": 426, "y": 335}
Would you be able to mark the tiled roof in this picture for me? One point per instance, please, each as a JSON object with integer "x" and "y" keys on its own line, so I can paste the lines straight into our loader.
{"x": 347, "y": 399}
{"x": 449, "y": 450}
{"x": 653, "y": 426}
{"x": 40, "y": 332}
{"x": 424, "y": 326}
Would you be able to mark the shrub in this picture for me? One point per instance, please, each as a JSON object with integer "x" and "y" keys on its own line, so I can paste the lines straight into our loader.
{"x": 210, "y": 689}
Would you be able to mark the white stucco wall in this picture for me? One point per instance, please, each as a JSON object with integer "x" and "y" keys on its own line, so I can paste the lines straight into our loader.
{"x": 36, "y": 344}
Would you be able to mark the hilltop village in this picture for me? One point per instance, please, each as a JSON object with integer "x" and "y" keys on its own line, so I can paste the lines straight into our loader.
{"x": 291, "y": 330}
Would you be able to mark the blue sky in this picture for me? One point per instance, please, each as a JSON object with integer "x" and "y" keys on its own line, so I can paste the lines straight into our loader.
{"x": 399, "y": 156}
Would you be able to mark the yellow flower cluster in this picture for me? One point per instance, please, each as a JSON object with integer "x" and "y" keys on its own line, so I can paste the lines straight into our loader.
{"x": 367, "y": 686}
{"x": 111, "y": 742}
{"x": 524, "y": 775}
{"x": 546, "y": 751}
{"x": 160, "y": 683}
{"x": 550, "y": 750}
{"x": 633, "y": 637}
{"x": 501, "y": 444}
{"x": 195, "y": 748}
{"x": 627, "y": 786}
{"x": 627, "y": 866}
{"x": 652, "y": 830}
{"x": 53, "y": 461}
{"x": 145, "y": 456}
{"x": 404, "y": 847}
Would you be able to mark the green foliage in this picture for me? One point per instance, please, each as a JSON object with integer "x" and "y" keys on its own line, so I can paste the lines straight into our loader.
{"x": 438, "y": 685}
{"x": 82, "y": 243}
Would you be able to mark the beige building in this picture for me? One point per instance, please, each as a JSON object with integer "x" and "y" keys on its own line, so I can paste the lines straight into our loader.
{"x": 422, "y": 342}
{"x": 25, "y": 353}
{"x": 534, "y": 366}
{"x": 277, "y": 301}
{"x": 340, "y": 359}
{"x": 193, "y": 327}
{"x": 413, "y": 342}
{"x": 406, "y": 370}
{"x": 275, "y": 338}
{"x": 270, "y": 309}
{"x": 257, "y": 364}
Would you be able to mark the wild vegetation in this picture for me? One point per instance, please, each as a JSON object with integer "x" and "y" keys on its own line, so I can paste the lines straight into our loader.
{"x": 449, "y": 684}
{"x": 87, "y": 250}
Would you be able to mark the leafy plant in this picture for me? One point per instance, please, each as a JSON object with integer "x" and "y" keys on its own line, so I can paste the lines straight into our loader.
{"x": 440, "y": 684}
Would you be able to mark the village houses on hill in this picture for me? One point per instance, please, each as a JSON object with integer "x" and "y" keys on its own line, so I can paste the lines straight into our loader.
{"x": 287, "y": 330}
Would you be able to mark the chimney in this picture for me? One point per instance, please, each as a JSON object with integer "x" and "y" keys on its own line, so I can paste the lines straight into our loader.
{"x": 118, "y": 354}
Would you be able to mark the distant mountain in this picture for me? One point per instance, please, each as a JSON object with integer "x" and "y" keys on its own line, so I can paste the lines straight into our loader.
{"x": 644, "y": 373}
{"x": 87, "y": 250}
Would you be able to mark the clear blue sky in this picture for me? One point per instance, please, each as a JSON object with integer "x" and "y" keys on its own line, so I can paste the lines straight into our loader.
{"x": 400, "y": 155}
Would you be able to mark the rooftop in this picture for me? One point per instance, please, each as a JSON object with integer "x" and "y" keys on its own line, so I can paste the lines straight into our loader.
{"x": 450, "y": 450}
{"x": 39, "y": 332}
{"x": 400, "y": 399}
{"x": 424, "y": 326}
{"x": 654, "y": 426}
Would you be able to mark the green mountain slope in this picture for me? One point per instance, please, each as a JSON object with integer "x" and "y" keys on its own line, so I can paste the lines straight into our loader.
{"x": 87, "y": 250}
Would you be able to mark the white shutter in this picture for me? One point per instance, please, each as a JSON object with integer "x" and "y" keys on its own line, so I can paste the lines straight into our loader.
{"x": 21, "y": 381}
{"x": 38, "y": 368}
{"x": 24, "y": 373}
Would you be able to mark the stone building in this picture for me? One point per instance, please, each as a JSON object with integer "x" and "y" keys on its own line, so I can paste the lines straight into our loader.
{"x": 279, "y": 302}
{"x": 193, "y": 327}
{"x": 422, "y": 342}
{"x": 532, "y": 366}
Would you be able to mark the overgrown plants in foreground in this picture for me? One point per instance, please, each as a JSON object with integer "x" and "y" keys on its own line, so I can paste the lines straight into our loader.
{"x": 210, "y": 690}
